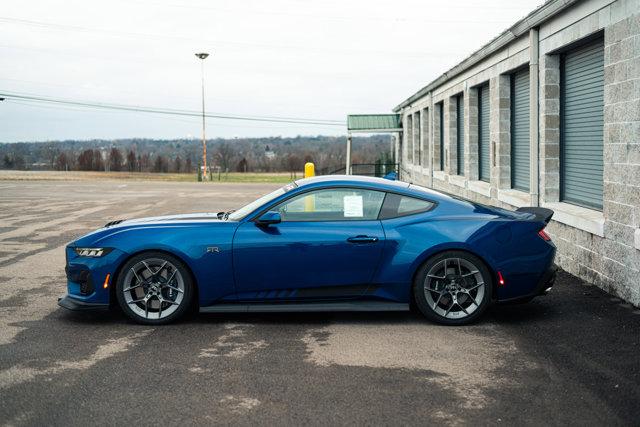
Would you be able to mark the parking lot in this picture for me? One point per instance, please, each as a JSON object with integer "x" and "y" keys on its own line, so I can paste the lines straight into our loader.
{"x": 572, "y": 357}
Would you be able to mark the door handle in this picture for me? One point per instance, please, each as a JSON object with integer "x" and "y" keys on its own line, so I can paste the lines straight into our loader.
{"x": 362, "y": 239}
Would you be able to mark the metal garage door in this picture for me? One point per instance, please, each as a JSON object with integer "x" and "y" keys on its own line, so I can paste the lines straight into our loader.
{"x": 460, "y": 133}
{"x": 582, "y": 77}
{"x": 520, "y": 130}
{"x": 483, "y": 133}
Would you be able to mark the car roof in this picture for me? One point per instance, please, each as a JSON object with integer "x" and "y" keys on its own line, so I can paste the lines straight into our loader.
{"x": 371, "y": 182}
{"x": 353, "y": 180}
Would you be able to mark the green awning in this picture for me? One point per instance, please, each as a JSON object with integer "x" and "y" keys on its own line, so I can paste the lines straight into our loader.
{"x": 374, "y": 123}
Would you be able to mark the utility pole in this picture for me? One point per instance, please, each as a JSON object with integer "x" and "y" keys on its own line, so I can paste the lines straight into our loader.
{"x": 202, "y": 56}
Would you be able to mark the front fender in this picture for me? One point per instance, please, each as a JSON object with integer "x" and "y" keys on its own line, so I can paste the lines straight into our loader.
{"x": 204, "y": 247}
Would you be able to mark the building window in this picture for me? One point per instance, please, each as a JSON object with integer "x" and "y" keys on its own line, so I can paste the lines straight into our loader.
{"x": 460, "y": 133}
{"x": 409, "y": 131}
{"x": 441, "y": 134}
{"x": 520, "y": 120}
{"x": 484, "y": 166}
{"x": 417, "y": 138}
{"x": 581, "y": 125}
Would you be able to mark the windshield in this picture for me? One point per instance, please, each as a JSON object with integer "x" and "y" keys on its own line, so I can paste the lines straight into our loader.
{"x": 246, "y": 210}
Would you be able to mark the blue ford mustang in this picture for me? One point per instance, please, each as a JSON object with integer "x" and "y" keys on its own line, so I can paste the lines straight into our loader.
{"x": 338, "y": 243}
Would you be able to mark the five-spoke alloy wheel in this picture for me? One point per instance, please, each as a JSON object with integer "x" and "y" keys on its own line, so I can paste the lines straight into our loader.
{"x": 453, "y": 288}
{"x": 154, "y": 288}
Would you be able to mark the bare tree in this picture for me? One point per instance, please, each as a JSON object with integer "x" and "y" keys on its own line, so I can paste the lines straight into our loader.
{"x": 85, "y": 160}
{"x": 161, "y": 164}
{"x": 224, "y": 153}
{"x": 7, "y": 162}
{"x": 132, "y": 161}
{"x": 62, "y": 162}
{"x": 115, "y": 160}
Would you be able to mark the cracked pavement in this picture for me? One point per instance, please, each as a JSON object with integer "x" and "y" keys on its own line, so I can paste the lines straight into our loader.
{"x": 570, "y": 358}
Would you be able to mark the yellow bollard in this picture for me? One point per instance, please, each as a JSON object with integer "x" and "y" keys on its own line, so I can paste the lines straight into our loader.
{"x": 309, "y": 201}
{"x": 309, "y": 170}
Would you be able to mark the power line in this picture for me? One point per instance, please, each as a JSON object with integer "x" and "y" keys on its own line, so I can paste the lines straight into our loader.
{"x": 188, "y": 120}
{"x": 169, "y": 111}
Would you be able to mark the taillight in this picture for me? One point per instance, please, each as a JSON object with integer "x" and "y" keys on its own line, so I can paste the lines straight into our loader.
{"x": 543, "y": 235}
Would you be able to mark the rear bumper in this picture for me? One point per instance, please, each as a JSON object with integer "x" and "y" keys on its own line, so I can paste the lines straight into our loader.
{"x": 543, "y": 286}
{"x": 547, "y": 281}
{"x": 74, "y": 304}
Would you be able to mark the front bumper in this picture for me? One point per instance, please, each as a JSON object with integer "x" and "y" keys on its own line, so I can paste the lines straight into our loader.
{"x": 87, "y": 280}
{"x": 74, "y": 304}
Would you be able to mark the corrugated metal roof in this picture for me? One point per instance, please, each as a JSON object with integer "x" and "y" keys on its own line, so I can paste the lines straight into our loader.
{"x": 373, "y": 122}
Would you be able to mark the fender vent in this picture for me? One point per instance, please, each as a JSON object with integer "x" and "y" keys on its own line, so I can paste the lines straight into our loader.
{"x": 117, "y": 221}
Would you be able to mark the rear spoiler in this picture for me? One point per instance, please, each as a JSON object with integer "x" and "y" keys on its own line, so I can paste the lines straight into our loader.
{"x": 541, "y": 214}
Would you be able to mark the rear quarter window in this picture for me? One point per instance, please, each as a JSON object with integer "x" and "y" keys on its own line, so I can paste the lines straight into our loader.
{"x": 396, "y": 205}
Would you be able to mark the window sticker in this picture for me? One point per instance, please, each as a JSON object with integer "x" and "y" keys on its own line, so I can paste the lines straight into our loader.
{"x": 353, "y": 207}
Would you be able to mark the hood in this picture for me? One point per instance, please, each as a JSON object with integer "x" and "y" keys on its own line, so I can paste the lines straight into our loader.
{"x": 207, "y": 216}
{"x": 114, "y": 228}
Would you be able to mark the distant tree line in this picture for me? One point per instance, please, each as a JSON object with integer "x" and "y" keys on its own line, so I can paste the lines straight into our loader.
{"x": 184, "y": 156}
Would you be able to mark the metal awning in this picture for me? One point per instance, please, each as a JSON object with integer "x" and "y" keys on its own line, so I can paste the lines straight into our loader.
{"x": 373, "y": 123}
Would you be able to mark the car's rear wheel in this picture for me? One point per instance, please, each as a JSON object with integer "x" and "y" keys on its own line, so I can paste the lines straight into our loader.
{"x": 154, "y": 288}
{"x": 453, "y": 288}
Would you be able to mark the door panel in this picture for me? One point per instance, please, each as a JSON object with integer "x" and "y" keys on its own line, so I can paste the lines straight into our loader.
{"x": 297, "y": 260}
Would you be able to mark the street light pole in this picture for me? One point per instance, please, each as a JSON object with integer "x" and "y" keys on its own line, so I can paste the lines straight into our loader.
{"x": 202, "y": 56}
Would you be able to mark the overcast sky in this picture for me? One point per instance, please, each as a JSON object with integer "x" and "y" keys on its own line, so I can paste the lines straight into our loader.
{"x": 291, "y": 58}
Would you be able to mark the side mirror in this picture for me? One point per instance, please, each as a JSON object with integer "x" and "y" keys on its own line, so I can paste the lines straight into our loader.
{"x": 268, "y": 218}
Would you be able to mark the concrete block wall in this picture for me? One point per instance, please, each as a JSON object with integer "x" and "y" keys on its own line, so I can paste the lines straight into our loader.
{"x": 549, "y": 107}
{"x": 451, "y": 136}
{"x": 621, "y": 255}
{"x": 436, "y": 137}
{"x": 425, "y": 137}
{"x": 602, "y": 247}
{"x": 471, "y": 132}
{"x": 501, "y": 132}
{"x": 416, "y": 137}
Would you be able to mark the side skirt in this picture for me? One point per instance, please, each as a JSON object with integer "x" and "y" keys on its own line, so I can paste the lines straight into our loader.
{"x": 306, "y": 307}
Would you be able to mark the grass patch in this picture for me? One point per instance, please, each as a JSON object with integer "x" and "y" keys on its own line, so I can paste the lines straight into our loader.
{"x": 249, "y": 177}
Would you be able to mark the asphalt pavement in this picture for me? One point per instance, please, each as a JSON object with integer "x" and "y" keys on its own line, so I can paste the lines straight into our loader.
{"x": 569, "y": 358}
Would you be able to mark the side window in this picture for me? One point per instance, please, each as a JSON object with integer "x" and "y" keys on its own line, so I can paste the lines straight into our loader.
{"x": 338, "y": 204}
{"x": 396, "y": 205}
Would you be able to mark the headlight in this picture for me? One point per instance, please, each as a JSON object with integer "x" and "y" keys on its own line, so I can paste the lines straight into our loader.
{"x": 92, "y": 252}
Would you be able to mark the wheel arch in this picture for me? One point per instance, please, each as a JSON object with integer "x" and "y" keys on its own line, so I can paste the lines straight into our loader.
{"x": 430, "y": 254}
{"x": 118, "y": 270}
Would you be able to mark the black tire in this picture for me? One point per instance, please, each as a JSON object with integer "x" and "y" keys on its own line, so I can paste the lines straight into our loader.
{"x": 131, "y": 275}
{"x": 464, "y": 284}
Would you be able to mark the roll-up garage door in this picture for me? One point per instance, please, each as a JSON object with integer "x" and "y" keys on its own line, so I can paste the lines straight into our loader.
{"x": 483, "y": 133}
{"x": 520, "y": 130}
{"x": 460, "y": 133}
{"x": 582, "y": 97}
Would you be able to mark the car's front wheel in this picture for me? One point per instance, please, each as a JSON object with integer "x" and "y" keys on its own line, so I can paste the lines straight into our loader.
{"x": 453, "y": 288}
{"x": 154, "y": 288}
